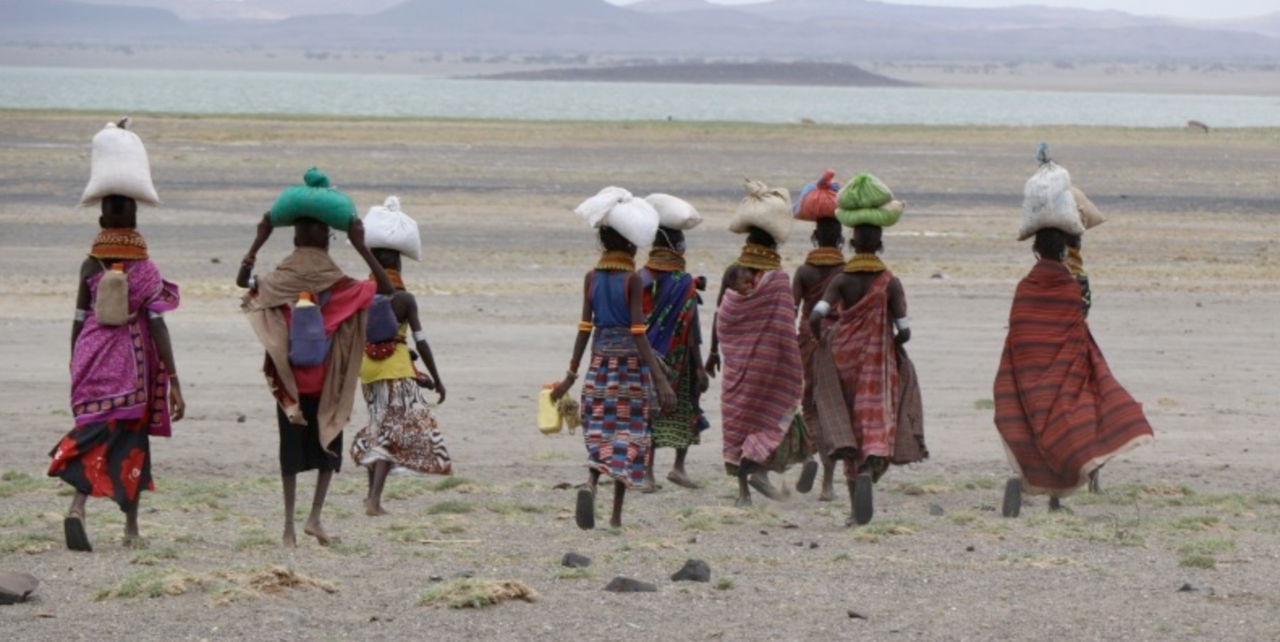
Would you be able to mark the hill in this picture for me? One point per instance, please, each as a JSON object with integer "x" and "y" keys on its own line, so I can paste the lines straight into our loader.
{"x": 764, "y": 73}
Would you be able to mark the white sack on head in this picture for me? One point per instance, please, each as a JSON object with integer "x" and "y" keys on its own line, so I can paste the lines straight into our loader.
{"x": 633, "y": 218}
{"x": 1090, "y": 215}
{"x": 674, "y": 213}
{"x": 1048, "y": 203}
{"x": 765, "y": 208}
{"x": 387, "y": 228}
{"x": 119, "y": 167}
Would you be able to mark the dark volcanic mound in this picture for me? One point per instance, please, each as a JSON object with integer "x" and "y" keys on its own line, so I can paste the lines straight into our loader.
{"x": 722, "y": 73}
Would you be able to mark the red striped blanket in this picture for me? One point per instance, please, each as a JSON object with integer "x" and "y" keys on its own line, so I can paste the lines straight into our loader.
{"x": 762, "y": 371}
{"x": 868, "y": 363}
{"x": 1059, "y": 410}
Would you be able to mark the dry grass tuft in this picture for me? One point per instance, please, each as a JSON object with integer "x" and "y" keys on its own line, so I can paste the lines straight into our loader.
{"x": 476, "y": 593}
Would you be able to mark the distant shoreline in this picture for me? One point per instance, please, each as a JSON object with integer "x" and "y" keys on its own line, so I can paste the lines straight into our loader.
{"x": 806, "y": 74}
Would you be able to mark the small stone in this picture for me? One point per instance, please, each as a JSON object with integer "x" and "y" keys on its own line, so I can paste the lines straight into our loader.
{"x": 562, "y": 486}
{"x": 574, "y": 560}
{"x": 694, "y": 539}
{"x": 936, "y": 510}
{"x": 464, "y": 575}
{"x": 765, "y": 533}
{"x": 813, "y": 545}
{"x": 939, "y": 276}
{"x": 628, "y": 585}
{"x": 969, "y": 549}
{"x": 693, "y": 571}
{"x": 241, "y": 418}
{"x": 436, "y": 578}
{"x": 790, "y": 527}
{"x": 854, "y": 615}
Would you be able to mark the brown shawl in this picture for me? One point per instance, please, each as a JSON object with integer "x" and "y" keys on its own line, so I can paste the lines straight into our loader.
{"x": 306, "y": 270}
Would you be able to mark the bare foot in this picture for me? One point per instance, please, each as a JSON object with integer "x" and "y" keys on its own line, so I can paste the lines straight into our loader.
{"x": 315, "y": 530}
{"x": 135, "y": 542}
{"x": 827, "y": 495}
{"x": 743, "y": 501}
{"x": 289, "y": 540}
{"x": 680, "y": 478}
{"x": 374, "y": 510}
{"x": 649, "y": 487}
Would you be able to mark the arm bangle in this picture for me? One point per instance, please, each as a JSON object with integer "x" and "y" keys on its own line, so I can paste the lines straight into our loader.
{"x": 81, "y": 315}
{"x": 420, "y": 336}
{"x": 902, "y": 324}
{"x": 638, "y": 330}
{"x": 585, "y": 326}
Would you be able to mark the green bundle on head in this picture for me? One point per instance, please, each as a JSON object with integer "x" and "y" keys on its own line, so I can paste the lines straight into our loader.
{"x": 314, "y": 200}
{"x": 866, "y": 200}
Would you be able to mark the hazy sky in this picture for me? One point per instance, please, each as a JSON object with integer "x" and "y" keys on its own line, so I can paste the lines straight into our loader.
{"x": 1180, "y": 8}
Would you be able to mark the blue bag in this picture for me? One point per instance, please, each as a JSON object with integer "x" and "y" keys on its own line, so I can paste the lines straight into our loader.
{"x": 308, "y": 346}
{"x": 381, "y": 326}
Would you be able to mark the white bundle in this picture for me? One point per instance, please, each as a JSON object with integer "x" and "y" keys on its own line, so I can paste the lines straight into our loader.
{"x": 674, "y": 213}
{"x": 119, "y": 167}
{"x": 388, "y": 228}
{"x": 1048, "y": 203}
{"x": 633, "y": 218}
{"x": 765, "y": 208}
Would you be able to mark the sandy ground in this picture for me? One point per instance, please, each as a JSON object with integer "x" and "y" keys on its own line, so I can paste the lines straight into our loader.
{"x": 1186, "y": 279}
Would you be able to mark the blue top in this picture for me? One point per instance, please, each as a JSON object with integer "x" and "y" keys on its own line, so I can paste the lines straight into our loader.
{"x": 610, "y": 304}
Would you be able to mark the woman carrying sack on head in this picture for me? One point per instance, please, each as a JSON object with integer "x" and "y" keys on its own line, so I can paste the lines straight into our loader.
{"x": 402, "y": 436}
{"x": 755, "y": 327}
{"x": 124, "y": 385}
{"x": 623, "y": 372}
{"x": 671, "y": 306}
{"x": 817, "y": 203}
{"x": 310, "y": 319}
{"x": 869, "y": 407}
{"x": 1060, "y": 412}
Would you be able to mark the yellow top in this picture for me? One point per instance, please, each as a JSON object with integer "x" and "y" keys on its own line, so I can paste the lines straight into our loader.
{"x": 398, "y": 366}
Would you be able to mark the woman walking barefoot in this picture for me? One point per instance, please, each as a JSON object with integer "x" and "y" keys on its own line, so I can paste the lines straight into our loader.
{"x": 402, "y": 436}
{"x": 313, "y": 378}
{"x": 623, "y": 371}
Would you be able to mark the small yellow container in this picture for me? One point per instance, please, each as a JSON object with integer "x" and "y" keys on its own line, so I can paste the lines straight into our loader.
{"x": 548, "y": 414}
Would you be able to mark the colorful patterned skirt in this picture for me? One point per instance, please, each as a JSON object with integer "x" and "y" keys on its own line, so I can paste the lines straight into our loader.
{"x": 106, "y": 459}
{"x": 683, "y": 427}
{"x": 401, "y": 430}
{"x": 615, "y": 407}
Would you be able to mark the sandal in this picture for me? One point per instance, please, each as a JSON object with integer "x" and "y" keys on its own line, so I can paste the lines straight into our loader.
{"x": 76, "y": 535}
{"x": 585, "y": 511}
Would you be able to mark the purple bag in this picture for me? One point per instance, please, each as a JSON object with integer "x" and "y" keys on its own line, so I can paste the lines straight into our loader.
{"x": 381, "y": 326}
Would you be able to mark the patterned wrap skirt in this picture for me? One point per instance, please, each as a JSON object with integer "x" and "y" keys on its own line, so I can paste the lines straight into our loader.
{"x": 401, "y": 431}
{"x": 106, "y": 459}
{"x": 616, "y": 395}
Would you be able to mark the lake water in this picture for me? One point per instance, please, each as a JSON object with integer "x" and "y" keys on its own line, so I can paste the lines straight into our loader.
{"x": 207, "y": 92}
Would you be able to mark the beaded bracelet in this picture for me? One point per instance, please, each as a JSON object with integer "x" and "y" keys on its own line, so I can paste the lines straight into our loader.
{"x": 638, "y": 330}
{"x": 585, "y": 326}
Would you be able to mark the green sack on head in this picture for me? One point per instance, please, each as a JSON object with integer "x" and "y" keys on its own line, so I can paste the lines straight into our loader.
{"x": 314, "y": 200}
{"x": 863, "y": 192}
{"x": 884, "y": 216}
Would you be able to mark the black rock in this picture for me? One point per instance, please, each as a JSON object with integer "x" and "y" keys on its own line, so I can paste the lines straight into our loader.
{"x": 693, "y": 571}
{"x": 854, "y": 615}
{"x": 628, "y": 585}
{"x": 574, "y": 560}
{"x": 813, "y": 545}
{"x": 241, "y": 419}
